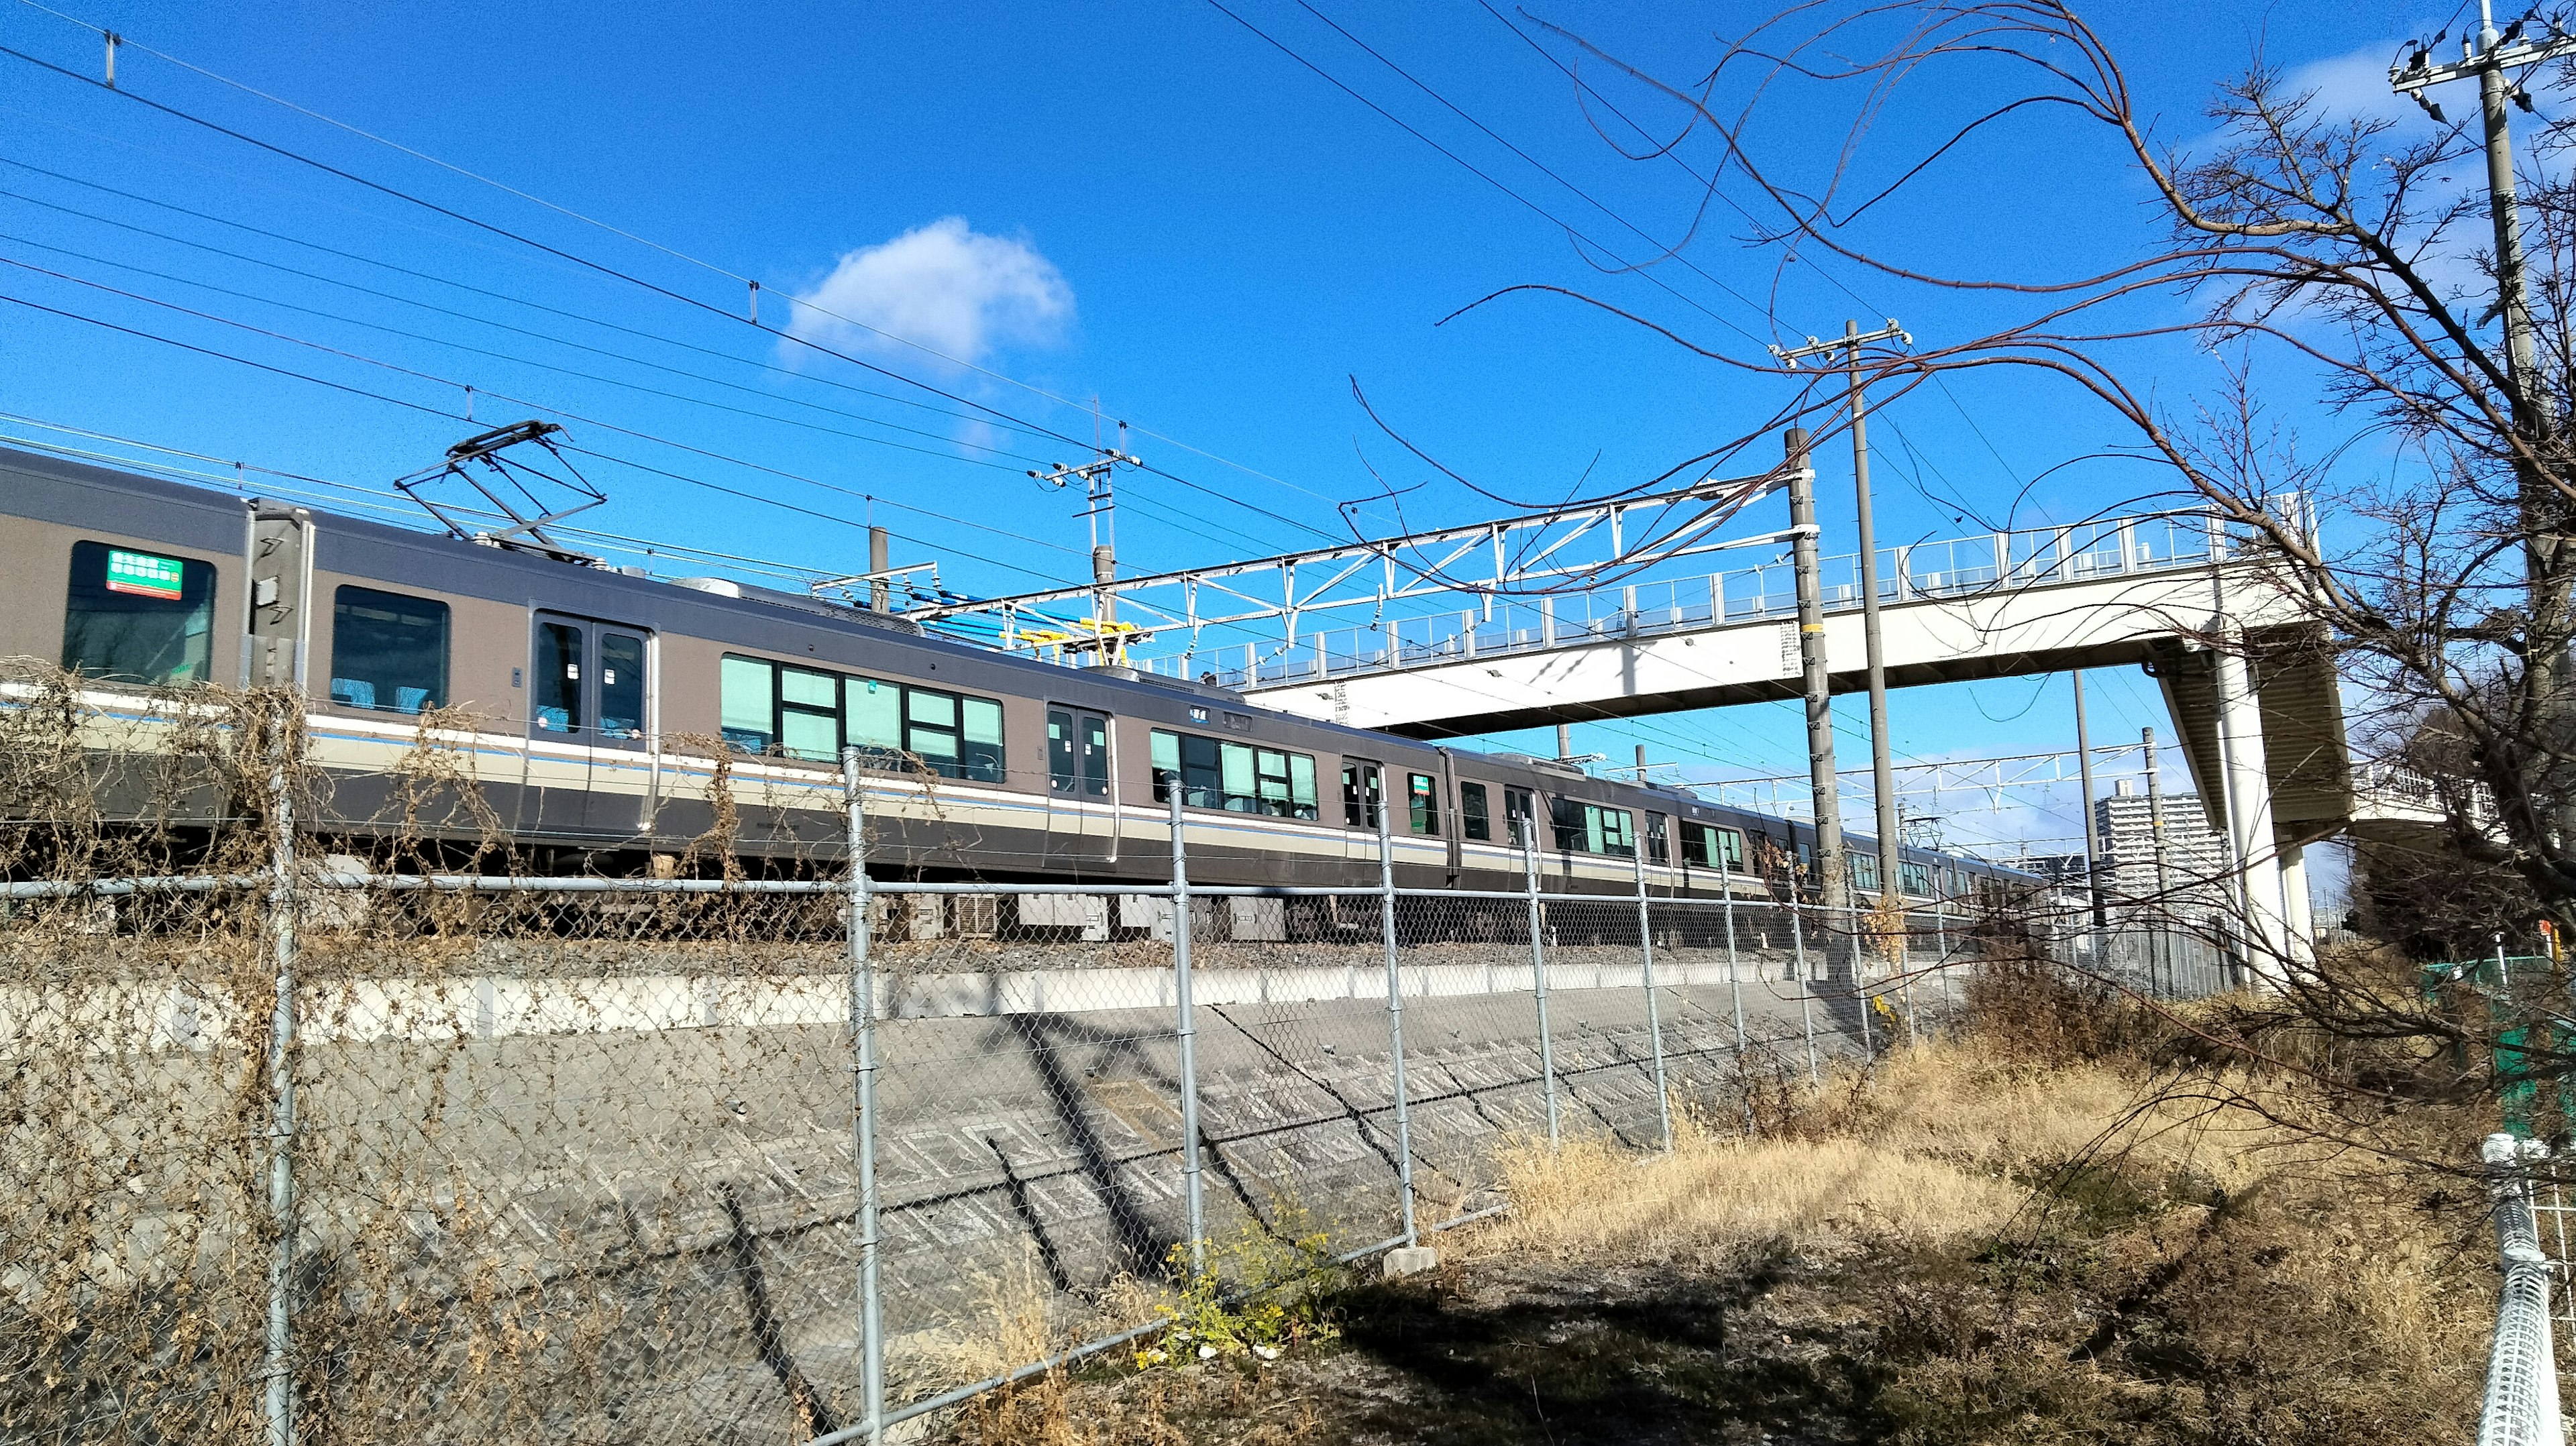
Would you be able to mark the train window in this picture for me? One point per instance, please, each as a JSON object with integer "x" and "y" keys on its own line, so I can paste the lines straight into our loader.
{"x": 745, "y": 686}
{"x": 930, "y": 729}
{"x": 1360, "y": 794}
{"x": 1422, "y": 797}
{"x": 387, "y": 651}
{"x": 1237, "y": 767}
{"x": 792, "y": 712}
{"x": 621, "y": 685}
{"x": 1695, "y": 844}
{"x": 1917, "y": 878}
{"x": 1586, "y": 828}
{"x": 1730, "y": 847}
{"x": 1658, "y": 851}
{"x": 138, "y": 617}
{"x": 1806, "y": 859}
{"x": 872, "y": 717}
{"x": 1518, "y": 810}
{"x": 1567, "y": 815}
{"x": 1237, "y": 777}
{"x": 979, "y": 751}
{"x": 557, "y": 697}
{"x": 1474, "y": 816}
{"x": 1611, "y": 830}
{"x": 1864, "y": 872}
{"x": 809, "y": 714}
{"x": 1301, "y": 787}
{"x": 1060, "y": 762}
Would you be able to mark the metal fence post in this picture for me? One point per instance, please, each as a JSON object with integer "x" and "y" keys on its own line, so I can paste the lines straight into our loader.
{"x": 1538, "y": 972}
{"x": 1187, "y": 1028}
{"x": 1395, "y": 1016}
{"x": 1941, "y": 939}
{"x": 278, "y": 1364}
{"x": 1905, "y": 969}
{"x": 1654, "y": 1011}
{"x": 1860, "y": 981}
{"x": 1806, "y": 987}
{"x": 1734, "y": 983}
{"x": 863, "y": 1125}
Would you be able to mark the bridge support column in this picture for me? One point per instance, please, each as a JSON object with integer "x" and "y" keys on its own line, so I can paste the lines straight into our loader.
{"x": 2249, "y": 816}
{"x": 2298, "y": 920}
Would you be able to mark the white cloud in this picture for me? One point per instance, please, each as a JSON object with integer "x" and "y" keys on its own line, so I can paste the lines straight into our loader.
{"x": 2354, "y": 86}
{"x": 943, "y": 286}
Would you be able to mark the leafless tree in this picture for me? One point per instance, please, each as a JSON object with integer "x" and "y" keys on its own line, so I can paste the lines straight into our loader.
{"x": 2338, "y": 268}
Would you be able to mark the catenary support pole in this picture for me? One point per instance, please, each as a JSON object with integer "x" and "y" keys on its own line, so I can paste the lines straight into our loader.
{"x": 1185, "y": 1026}
{"x": 1882, "y": 767}
{"x": 279, "y": 1363}
{"x": 1528, "y": 829}
{"x": 1654, "y": 1013}
{"x": 2093, "y": 920}
{"x": 1816, "y": 682}
{"x": 863, "y": 1122}
{"x": 2164, "y": 914}
{"x": 1395, "y": 1017}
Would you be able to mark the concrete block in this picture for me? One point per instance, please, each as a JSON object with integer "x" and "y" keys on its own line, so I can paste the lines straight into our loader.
{"x": 1408, "y": 1260}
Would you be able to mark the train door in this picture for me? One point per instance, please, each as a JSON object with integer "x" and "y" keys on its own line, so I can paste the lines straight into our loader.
{"x": 1082, "y": 823}
{"x": 1363, "y": 794}
{"x": 589, "y": 684}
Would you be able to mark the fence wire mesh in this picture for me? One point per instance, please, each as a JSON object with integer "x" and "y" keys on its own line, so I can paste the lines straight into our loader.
{"x": 337, "y": 1114}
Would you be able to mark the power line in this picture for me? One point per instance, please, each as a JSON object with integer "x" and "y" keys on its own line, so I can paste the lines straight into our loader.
{"x": 506, "y": 233}
{"x": 544, "y": 366}
{"x": 446, "y": 415}
{"x": 1479, "y": 173}
{"x": 127, "y": 41}
{"x": 1544, "y": 169}
{"x": 467, "y": 287}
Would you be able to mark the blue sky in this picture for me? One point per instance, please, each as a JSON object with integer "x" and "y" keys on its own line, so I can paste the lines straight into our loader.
{"x": 1146, "y": 203}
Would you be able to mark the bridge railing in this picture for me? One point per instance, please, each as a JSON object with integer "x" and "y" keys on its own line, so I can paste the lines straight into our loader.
{"x": 1913, "y": 572}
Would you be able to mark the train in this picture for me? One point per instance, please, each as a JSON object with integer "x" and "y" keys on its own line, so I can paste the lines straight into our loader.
{"x": 610, "y": 722}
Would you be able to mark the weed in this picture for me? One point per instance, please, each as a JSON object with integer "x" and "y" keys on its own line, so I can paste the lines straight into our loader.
{"x": 1260, "y": 1292}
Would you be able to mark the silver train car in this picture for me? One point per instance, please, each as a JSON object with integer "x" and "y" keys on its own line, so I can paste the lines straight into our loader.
{"x": 594, "y": 707}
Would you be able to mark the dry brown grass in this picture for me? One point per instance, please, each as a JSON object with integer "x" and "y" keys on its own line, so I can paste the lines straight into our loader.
{"x": 2048, "y": 1231}
{"x": 1934, "y": 1144}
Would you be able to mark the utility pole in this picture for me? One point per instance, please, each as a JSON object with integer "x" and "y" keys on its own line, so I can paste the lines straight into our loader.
{"x": 1834, "y": 885}
{"x": 1096, "y": 477}
{"x": 881, "y": 588}
{"x": 2497, "y": 60}
{"x": 2092, "y": 838}
{"x": 1881, "y": 764}
{"x": 2156, "y": 831}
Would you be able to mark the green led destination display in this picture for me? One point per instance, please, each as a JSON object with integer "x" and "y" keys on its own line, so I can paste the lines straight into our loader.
{"x": 143, "y": 575}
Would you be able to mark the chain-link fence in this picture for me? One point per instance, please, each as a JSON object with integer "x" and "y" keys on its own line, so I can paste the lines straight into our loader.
{"x": 340, "y": 1133}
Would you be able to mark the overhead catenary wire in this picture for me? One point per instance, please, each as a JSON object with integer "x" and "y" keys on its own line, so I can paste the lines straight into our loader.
{"x": 125, "y": 39}
{"x": 573, "y": 372}
{"x": 658, "y": 338}
{"x": 458, "y": 416}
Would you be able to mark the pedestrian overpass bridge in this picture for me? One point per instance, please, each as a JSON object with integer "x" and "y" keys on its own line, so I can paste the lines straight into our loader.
{"x": 2248, "y": 678}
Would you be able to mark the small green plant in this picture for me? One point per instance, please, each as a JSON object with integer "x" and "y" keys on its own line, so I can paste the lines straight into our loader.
{"x": 1261, "y": 1292}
